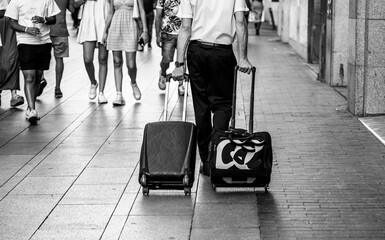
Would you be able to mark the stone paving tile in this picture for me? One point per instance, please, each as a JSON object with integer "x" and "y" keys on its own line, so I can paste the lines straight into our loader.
{"x": 93, "y": 194}
{"x": 96, "y": 176}
{"x": 114, "y": 228}
{"x": 156, "y": 227}
{"x": 162, "y": 204}
{"x": 67, "y": 218}
{"x": 10, "y": 164}
{"x": 29, "y": 148}
{"x": 225, "y": 233}
{"x": 21, "y": 215}
{"x": 84, "y": 234}
{"x": 115, "y": 160}
{"x": 44, "y": 185}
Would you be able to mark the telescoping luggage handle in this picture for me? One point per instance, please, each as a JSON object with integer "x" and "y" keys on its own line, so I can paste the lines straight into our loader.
{"x": 251, "y": 120}
{"x": 185, "y": 82}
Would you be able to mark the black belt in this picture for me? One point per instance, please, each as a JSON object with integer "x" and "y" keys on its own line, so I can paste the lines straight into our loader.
{"x": 209, "y": 44}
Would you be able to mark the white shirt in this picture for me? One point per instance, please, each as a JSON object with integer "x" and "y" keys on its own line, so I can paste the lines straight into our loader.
{"x": 24, "y": 10}
{"x": 3, "y": 6}
{"x": 213, "y": 21}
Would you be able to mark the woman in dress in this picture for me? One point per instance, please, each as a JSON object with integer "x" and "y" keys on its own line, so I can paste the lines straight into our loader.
{"x": 9, "y": 65}
{"x": 121, "y": 34}
{"x": 93, "y": 14}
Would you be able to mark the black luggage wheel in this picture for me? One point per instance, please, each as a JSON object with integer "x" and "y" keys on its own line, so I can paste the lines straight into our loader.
{"x": 187, "y": 191}
{"x": 143, "y": 182}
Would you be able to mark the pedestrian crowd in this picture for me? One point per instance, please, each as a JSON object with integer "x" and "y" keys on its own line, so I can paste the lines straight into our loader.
{"x": 210, "y": 37}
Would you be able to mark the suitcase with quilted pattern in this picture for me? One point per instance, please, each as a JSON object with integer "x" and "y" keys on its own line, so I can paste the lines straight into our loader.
{"x": 168, "y": 153}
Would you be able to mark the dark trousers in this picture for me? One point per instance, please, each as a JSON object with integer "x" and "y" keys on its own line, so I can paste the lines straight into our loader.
{"x": 211, "y": 71}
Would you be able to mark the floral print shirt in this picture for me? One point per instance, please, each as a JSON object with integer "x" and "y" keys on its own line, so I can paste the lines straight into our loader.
{"x": 170, "y": 22}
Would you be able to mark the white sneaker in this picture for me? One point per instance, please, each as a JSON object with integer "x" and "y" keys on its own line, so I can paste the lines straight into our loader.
{"x": 32, "y": 116}
{"x": 162, "y": 82}
{"x": 92, "y": 93}
{"x": 102, "y": 99}
{"x": 119, "y": 101}
{"x": 136, "y": 91}
{"x": 181, "y": 88}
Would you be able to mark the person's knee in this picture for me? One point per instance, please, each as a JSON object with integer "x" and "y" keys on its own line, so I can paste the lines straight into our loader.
{"x": 88, "y": 61}
{"x": 29, "y": 78}
{"x": 118, "y": 62}
{"x": 103, "y": 61}
{"x": 131, "y": 67}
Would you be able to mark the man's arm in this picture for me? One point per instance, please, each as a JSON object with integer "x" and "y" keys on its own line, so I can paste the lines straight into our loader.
{"x": 183, "y": 41}
{"x": 244, "y": 64}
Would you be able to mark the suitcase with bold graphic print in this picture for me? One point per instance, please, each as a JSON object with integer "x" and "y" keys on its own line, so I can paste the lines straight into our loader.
{"x": 168, "y": 154}
{"x": 241, "y": 158}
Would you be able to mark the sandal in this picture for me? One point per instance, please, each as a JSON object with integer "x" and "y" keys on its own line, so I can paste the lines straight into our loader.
{"x": 58, "y": 93}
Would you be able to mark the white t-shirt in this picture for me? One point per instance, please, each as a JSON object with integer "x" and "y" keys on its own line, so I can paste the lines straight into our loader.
{"x": 213, "y": 21}
{"x": 24, "y": 10}
{"x": 3, "y": 6}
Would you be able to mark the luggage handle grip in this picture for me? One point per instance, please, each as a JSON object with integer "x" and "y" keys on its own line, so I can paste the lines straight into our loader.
{"x": 185, "y": 80}
{"x": 251, "y": 120}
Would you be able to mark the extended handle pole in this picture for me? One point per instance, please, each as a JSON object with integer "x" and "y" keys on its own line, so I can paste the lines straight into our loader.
{"x": 232, "y": 123}
{"x": 251, "y": 117}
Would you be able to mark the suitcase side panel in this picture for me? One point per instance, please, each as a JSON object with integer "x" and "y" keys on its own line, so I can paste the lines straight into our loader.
{"x": 258, "y": 176}
{"x": 168, "y": 152}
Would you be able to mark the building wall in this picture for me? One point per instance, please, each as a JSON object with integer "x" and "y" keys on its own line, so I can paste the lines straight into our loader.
{"x": 366, "y": 60}
{"x": 337, "y": 55}
{"x": 292, "y": 24}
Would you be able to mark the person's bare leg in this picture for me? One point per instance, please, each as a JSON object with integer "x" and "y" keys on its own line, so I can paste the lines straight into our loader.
{"x": 103, "y": 67}
{"x": 30, "y": 87}
{"x": 118, "y": 71}
{"x": 88, "y": 58}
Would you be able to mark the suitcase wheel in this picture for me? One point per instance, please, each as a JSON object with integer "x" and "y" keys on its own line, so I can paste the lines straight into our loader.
{"x": 266, "y": 188}
{"x": 143, "y": 182}
{"x": 187, "y": 191}
{"x": 145, "y": 190}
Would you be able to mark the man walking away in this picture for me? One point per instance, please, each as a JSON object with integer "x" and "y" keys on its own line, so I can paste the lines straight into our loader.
{"x": 207, "y": 32}
{"x": 59, "y": 37}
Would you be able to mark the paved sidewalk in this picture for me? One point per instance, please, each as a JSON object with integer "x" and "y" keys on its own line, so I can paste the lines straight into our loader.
{"x": 74, "y": 176}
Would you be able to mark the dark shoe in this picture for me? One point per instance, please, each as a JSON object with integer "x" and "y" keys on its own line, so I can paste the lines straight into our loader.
{"x": 17, "y": 100}
{"x": 43, "y": 84}
{"x": 58, "y": 93}
{"x": 205, "y": 169}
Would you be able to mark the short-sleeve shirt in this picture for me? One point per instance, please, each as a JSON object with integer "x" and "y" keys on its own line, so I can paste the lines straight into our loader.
{"x": 213, "y": 21}
{"x": 59, "y": 29}
{"x": 24, "y": 10}
{"x": 170, "y": 21}
{"x": 3, "y": 6}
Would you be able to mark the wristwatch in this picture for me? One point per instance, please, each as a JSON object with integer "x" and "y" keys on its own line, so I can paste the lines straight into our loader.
{"x": 179, "y": 64}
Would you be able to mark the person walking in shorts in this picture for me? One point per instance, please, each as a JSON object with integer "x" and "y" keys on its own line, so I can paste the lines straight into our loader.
{"x": 30, "y": 19}
{"x": 59, "y": 37}
{"x": 167, "y": 26}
